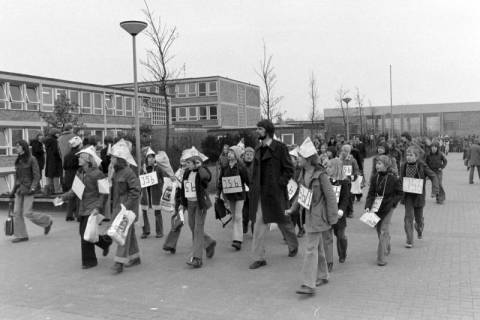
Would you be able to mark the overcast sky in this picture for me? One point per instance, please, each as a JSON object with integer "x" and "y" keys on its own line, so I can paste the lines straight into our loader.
{"x": 433, "y": 45}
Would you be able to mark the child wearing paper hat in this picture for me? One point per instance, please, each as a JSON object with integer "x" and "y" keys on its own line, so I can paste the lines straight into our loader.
{"x": 151, "y": 195}
{"x": 320, "y": 214}
{"x": 126, "y": 190}
{"x": 195, "y": 198}
{"x": 91, "y": 202}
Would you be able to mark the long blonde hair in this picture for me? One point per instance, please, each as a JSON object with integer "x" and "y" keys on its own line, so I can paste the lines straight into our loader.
{"x": 337, "y": 168}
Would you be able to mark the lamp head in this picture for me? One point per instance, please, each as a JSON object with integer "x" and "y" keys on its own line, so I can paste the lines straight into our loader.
{"x": 133, "y": 27}
{"x": 347, "y": 100}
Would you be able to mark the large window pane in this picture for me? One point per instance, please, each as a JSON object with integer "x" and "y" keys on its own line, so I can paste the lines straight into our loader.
{"x": 192, "y": 89}
{"x": 3, "y": 142}
{"x": 432, "y": 125}
{"x": 128, "y": 106}
{"x": 47, "y": 96}
{"x": 212, "y": 88}
{"x": 97, "y": 104}
{"x": 119, "y": 106}
{"x": 16, "y": 93}
{"x": 414, "y": 125}
{"x": 32, "y": 95}
{"x": 203, "y": 113}
{"x": 109, "y": 104}
{"x": 17, "y": 135}
{"x": 181, "y": 90}
{"x": 182, "y": 114}
{"x": 86, "y": 102}
{"x": 192, "y": 113}
{"x": 3, "y": 96}
{"x": 213, "y": 113}
{"x": 202, "y": 89}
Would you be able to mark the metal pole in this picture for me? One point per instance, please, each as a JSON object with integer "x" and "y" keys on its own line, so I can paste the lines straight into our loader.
{"x": 348, "y": 124}
{"x": 137, "y": 117}
{"x": 391, "y": 105}
{"x": 104, "y": 118}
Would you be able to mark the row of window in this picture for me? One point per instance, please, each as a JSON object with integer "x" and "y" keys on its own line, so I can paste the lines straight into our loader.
{"x": 194, "y": 113}
{"x": 27, "y": 97}
{"x": 183, "y": 90}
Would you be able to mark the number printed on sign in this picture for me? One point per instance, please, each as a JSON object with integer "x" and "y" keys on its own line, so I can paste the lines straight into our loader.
{"x": 347, "y": 170}
{"x": 190, "y": 191}
{"x": 149, "y": 179}
{"x": 232, "y": 184}
{"x": 412, "y": 185}
{"x": 292, "y": 187}
{"x": 305, "y": 197}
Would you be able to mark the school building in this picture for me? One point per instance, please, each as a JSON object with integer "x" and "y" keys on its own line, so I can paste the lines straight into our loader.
{"x": 452, "y": 119}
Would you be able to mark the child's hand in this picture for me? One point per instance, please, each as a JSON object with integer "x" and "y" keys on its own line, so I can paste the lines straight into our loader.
{"x": 288, "y": 212}
{"x": 340, "y": 213}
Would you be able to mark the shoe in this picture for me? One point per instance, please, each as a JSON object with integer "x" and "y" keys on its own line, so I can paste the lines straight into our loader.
{"x": 117, "y": 268}
{"x": 88, "y": 266}
{"x": 381, "y": 263}
{"x": 330, "y": 266}
{"x": 237, "y": 245}
{"x": 210, "y": 250}
{"x": 171, "y": 250}
{"x": 341, "y": 260}
{"x": 305, "y": 290}
{"x": 293, "y": 252}
{"x": 321, "y": 282}
{"x": 195, "y": 263}
{"x": 408, "y": 245}
{"x": 301, "y": 233}
{"x": 257, "y": 264}
{"x": 47, "y": 228}
{"x": 158, "y": 236}
{"x": 69, "y": 219}
{"x": 132, "y": 263}
{"x": 16, "y": 240}
{"x": 420, "y": 236}
{"x": 106, "y": 250}
{"x": 144, "y": 235}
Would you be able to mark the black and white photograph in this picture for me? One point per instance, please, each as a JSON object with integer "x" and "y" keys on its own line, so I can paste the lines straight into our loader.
{"x": 240, "y": 159}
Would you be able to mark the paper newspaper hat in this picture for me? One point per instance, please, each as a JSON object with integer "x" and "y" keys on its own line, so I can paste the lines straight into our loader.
{"x": 238, "y": 151}
{"x": 90, "y": 150}
{"x": 122, "y": 151}
{"x": 294, "y": 152}
{"x": 194, "y": 153}
{"x": 307, "y": 149}
{"x": 75, "y": 141}
{"x": 149, "y": 152}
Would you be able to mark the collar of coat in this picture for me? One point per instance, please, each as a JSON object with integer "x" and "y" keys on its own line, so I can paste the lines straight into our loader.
{"x": 272, "y": 147}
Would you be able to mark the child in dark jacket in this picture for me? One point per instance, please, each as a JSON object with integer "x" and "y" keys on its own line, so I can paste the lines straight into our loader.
{"x": 414, "y": 172}
{"x": 437, "y": 161}
{"x": 383, "y": 196}
{"x": 196, "y": 200}
{"x": 334, "y": 169}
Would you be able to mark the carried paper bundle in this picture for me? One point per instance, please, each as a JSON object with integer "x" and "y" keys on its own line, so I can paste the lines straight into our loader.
{"x": 161, "y": 158}
{"x": 120, "y": 226}
{"x": 167, "y": 202}
{"x": 370, "y": 218}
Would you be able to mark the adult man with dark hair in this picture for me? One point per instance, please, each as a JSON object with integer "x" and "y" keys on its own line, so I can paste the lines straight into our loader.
{"x": 272, "y": 169}
{"x": 474, "y": 159}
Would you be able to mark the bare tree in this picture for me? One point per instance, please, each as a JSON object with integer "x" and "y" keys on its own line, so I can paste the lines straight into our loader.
{"x": 359, "y": 101}
{"x": 314, "y": 114}
{"x": 159, "y": 58}
{"x": 340, "y": 95}
{"x": 269, "y": 102}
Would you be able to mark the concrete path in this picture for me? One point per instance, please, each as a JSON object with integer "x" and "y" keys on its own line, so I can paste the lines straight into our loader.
{"x": 438, "y": 279}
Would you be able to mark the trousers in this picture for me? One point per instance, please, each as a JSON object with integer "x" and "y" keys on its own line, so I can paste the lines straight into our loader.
{"x": 314, "y": 262}
{"x": 196, "y": 222}
{"x": 23, "y": 208}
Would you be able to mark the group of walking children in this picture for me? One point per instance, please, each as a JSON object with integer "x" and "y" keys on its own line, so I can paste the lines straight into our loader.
{"x": 260, "y": 186}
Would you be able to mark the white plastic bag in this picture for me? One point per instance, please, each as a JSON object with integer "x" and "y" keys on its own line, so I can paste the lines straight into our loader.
{"x": 103, "y": 186}
{"x": 357, "y": 186}
{"x": 120, "y": 226}
{"x": 91, "y": 231}
{"x": 167, "y": 202}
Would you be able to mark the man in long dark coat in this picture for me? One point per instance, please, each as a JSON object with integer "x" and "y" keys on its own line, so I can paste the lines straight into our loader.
{"x": 272, "y": 169}
{"x": 53, "y": 169}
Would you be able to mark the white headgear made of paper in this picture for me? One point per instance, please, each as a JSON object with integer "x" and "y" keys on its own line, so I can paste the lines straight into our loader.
{"x": 307, "y": 149}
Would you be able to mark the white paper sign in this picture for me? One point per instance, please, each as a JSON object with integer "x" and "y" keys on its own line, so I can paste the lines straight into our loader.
{"x": 337, "y": 190}
{"x": 78, "y": 187}
{"x": 292, "y": 187}
{"x": 103, "y": 186}
{"x": 412, "y": 185}
{"x": 305, "y": 197}
{"x": 232, "y": 184}
{"x": 148, "y": 179}
{"x": 190, "y": 191}
{"x": 376, "y": 204}
{"x": 179, "y": 174}
{"x": 370, "y": 219}
{"x": 357, "y": 186}
{"x": 347, "y": 170}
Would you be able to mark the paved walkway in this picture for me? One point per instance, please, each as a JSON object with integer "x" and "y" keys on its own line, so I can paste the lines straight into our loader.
{"x": 438, "y": 279}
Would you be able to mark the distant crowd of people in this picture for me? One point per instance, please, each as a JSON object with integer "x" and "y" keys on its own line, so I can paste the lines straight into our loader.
{"x": 311, "y": 187}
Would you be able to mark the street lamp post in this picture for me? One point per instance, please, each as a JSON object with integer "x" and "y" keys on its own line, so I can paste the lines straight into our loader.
{"x": 347, "y": 100}
{"x": 134, "y": 28}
